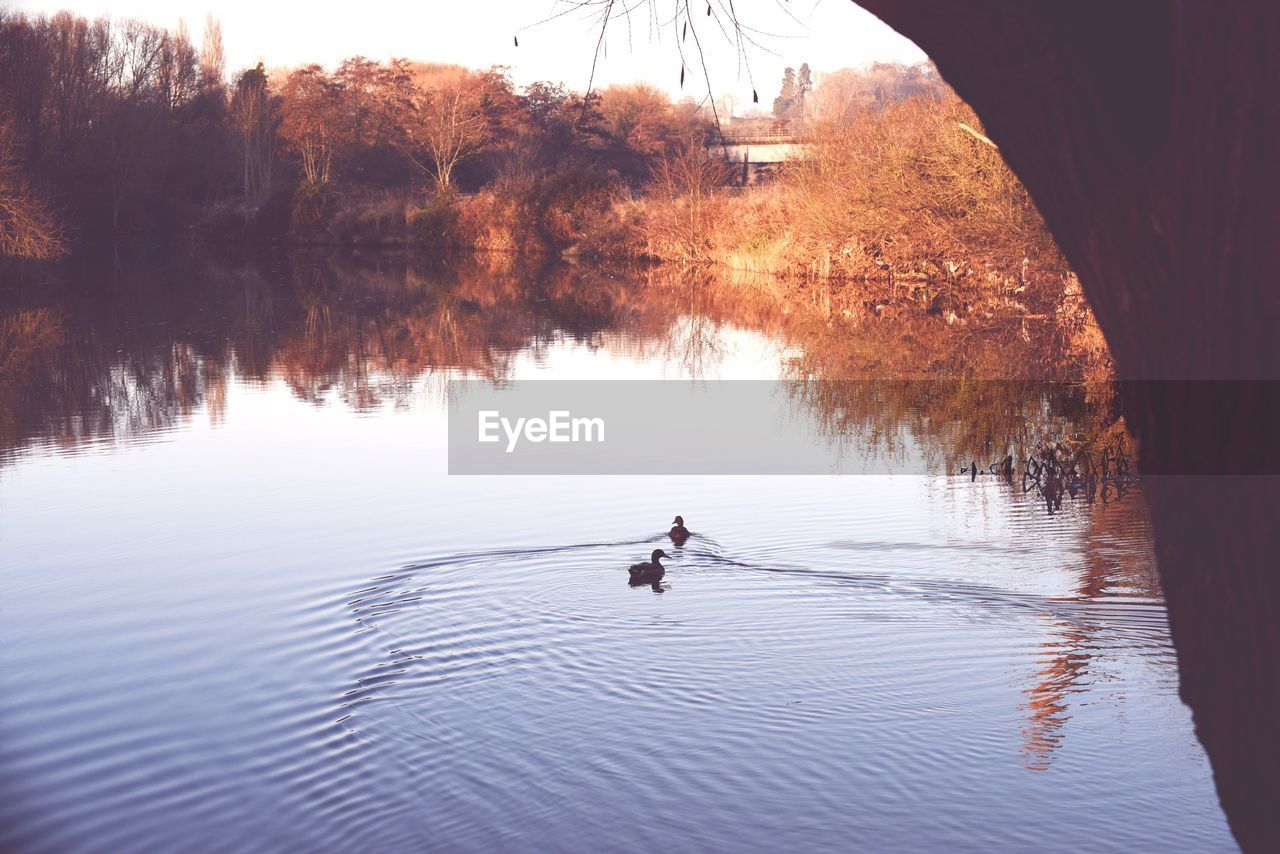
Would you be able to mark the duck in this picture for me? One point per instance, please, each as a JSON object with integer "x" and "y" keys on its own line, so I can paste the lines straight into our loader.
{"x": 678, "y": 530}
{"x": 651, "y": 572}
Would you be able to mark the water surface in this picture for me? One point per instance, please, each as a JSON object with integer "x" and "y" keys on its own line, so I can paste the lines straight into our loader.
{"x": 243, "y": 606}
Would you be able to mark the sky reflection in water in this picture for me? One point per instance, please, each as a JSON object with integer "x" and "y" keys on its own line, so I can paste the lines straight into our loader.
{"x": 243, "y": 604}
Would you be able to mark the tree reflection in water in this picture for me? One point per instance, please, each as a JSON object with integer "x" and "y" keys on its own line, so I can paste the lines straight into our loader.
{"x": 1115, "y": 563}
{"x": 121, "y": 352}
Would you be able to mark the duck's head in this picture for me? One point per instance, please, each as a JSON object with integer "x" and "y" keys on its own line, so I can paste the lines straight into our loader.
{"x": 679, "y": 522}
{"x": 657, "y": 553}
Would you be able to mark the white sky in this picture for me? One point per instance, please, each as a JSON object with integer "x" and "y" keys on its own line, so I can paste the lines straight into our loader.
{"x": 828, "y": 34}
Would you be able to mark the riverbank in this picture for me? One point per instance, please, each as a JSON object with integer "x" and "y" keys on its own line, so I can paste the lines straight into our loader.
{"x": 1032, "y": 298}
{"x": 908, "y": 209}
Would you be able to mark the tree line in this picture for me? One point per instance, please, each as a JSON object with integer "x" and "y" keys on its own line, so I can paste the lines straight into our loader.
{"x": 113, "y": 127}
{"x": 120, "y": 128}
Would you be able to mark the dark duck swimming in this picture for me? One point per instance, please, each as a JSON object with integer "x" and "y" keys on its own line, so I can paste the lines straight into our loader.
{"x": 678, "y": 532}
{"x": 651, "y": 572}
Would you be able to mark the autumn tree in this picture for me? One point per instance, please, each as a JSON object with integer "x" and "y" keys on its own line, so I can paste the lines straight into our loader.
{"x": 312, "y": 123}
{"x": 368, "y": 91}
{"x": 552, "y": 130}
{"x": 641, "y": 125}
{"x": 639, "y": 117}
{"x": 543, "y": 131}
{"x": 448, "y": 115}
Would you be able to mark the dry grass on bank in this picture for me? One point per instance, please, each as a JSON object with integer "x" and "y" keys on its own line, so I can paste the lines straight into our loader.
{"x": 906, "y": 208}
{"x": 903, "y": 208}
{"x": 911, "y": 189}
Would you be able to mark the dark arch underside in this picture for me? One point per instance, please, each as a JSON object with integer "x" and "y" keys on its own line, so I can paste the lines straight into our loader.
{"x": 1148, "y": 134}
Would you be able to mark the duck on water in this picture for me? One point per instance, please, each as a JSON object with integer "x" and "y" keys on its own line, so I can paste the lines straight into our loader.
{"x": 651, "y": 572}
{"x": 679, "y": 533}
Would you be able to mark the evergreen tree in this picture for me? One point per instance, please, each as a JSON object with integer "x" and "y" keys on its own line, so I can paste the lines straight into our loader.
{"x": 787, "y": 97}
{"x": 804, "y": 85}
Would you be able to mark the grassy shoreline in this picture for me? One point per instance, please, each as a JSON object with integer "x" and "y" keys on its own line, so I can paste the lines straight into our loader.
{"x": 744, "y": 234}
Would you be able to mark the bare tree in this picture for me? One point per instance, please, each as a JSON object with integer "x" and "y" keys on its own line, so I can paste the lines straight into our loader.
{"x": 179, "y": 71}
{"x": 254, "y": 115}
{"x": 686, "y": 179}
{"x": 213, "y": 62}
{"x": 82, "y": 65}
{"x": 445, "y": 118}
{"x": 142, "y": 54}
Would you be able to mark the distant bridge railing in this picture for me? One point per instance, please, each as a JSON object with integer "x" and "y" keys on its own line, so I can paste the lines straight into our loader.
{"x": 759, "y": 137}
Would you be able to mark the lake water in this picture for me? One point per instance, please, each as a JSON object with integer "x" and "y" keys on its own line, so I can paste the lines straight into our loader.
{"x": 243, "y": 605}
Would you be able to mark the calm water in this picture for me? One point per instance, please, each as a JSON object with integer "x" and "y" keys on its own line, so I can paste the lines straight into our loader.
{"x": 243, "y": 606}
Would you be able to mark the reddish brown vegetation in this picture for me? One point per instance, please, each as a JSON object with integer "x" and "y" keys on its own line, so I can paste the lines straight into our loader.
{"x": 27, "y": 225}
{"x": 898, "y": 203}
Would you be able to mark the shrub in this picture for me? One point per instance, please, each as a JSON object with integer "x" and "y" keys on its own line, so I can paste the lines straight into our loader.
{"x": 313, "y": 207}
{"x": 435, "y": 224}
{"x": 370, "y": 219}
